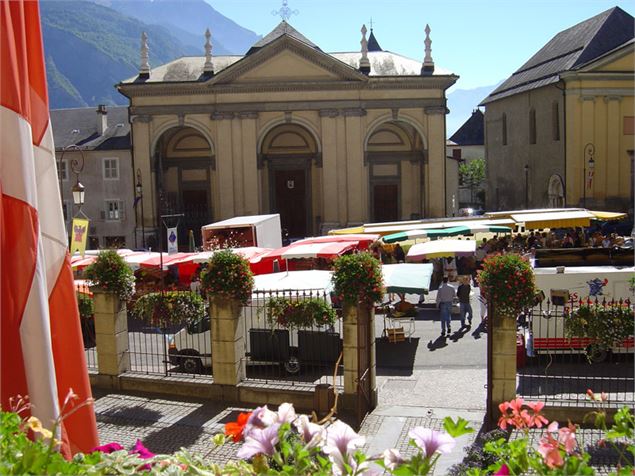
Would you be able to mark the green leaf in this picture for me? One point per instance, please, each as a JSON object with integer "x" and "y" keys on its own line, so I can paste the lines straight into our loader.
{"x": 458, "y": 428}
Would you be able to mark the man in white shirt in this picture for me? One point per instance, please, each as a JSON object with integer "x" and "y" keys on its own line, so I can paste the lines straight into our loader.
{"x": 445, "y": 296}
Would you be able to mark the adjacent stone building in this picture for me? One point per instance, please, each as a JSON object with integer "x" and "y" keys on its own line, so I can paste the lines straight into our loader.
{"x": 95, "y": 143}
{"x": 559, "y": 131}
{"x": 465, "y": 145}
{"x": 325, "y": 139}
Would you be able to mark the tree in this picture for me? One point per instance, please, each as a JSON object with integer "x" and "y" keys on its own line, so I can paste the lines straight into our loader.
{"x": 472, "y": 175}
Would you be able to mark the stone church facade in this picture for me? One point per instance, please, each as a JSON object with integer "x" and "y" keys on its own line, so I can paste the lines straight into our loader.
{"x": 326, "y": 140}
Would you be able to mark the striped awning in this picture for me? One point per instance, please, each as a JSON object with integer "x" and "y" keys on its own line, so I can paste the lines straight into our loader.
{"x": 568, "y": 219}
{"x": 442, "y": 232}
{"x": 441, "y": 249}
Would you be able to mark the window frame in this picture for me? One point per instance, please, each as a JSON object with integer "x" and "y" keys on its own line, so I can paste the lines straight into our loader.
{"x": 120, "y": 210}
{"x": 62, "y": 166}
{"x": 105, "y": 160}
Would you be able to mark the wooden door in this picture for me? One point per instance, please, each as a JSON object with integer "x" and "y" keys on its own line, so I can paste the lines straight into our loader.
{"x": 290, "y": 201}
{"x": 195, "y": 206}
{"x": 385, "y": 202}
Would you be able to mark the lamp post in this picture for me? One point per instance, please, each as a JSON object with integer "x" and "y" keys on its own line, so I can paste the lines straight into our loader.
{"x": 139, "y": 190}
{"x": 526, "y": 186}
{"x": 589, "y": 151}
{"x": 77, "y": 166}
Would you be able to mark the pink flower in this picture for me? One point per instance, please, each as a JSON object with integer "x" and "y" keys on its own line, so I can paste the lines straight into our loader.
{"x": 341, "y": 443}
{"x": 261, "y": 418}
{"x": 312, "y": 433}
{"x": 431, "y": 441}
{"x": 107, "y": 448}
{"x": 259, "y": 441}
{"x": 566, "y": 437}
{"x": 286, "y": 413}
{"x": 537, "y": 419}
{"x": 503, "y": 471}
{"x": 141, "y": 451}
{"x": 392, "y": 459}
{"x": 550, "y": 451}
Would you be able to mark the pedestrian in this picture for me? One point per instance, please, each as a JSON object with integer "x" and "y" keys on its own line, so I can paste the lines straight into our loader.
{"x": 399, "y": 254}
{"x": 465, "y": 307}
{"x": 445, "y": 296}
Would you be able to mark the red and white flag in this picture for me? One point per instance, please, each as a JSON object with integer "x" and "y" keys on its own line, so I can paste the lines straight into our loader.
{"x": 42, "y": 353}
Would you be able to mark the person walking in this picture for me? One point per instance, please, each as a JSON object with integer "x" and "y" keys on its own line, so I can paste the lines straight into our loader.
{"x": 399, "y": 254}
{"x": 465, "y": 307}
{"x": 445, "y": 296}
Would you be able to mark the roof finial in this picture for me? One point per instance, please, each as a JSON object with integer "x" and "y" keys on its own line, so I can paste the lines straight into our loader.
{"x": 428, "y": 64}
{"x": 208, "y": 68}
{"x": 144, "y": 67}
{"x": 364, "y": 63}
{"x": 371, "y": 24}
{"x": 285, "y": 12}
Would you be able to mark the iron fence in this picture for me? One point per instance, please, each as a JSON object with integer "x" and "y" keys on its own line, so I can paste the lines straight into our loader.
{"x": 180, "y": 349}
{"x": 87, "y": 322}
{"x": 299, "y": 356}
{"x": 559, "y": 367}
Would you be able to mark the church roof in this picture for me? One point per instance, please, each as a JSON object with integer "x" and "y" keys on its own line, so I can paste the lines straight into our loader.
{"x": 373, "y": 44}
{"x": 568, "y": 51}
{"x": 472, "y": 131}
{"x": 283, "y": 28}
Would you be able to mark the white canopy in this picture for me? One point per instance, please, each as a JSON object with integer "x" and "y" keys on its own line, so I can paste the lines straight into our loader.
{"x": 407, "y": 277}
{"x": 441, "y": 248}
{"x": 294, "y": 281}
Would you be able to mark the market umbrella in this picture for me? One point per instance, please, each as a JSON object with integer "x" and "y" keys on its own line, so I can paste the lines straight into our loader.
{"x": 442, "y": 232}
{"x": 407, "y": 277}
{"x": 440, "y": 249}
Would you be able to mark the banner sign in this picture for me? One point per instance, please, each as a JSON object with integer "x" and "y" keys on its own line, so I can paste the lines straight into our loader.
{"x": 79, "y": 234}
{"x": 173, "y": 241}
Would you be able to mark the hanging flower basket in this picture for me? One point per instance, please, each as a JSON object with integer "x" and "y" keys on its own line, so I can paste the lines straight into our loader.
{"x": 607, "y": 326}
{"x": 162, "y": 309}
{"x": 507, "y": 282}
{"x": 111, "y": 273}
{"x": 228, "y": 276}
{"x": 308, "y": 312}
{"x": 357, "y": 279}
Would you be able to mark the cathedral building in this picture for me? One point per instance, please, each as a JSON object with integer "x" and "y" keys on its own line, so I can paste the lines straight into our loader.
{"x": 326, "y": 140}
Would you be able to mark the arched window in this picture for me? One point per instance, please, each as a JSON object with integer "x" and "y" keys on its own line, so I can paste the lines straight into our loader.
{"x": 555, "y": 120}
{"x": 532, "y": 126}
{"x": 504, "y": 129}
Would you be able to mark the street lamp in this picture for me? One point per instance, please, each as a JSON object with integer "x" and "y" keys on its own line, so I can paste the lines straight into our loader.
{"x": 526, "y": 186}
{"x": 589, "y": 150}
{"x": 139, "y": 190}
{"x": 78, "y": 194}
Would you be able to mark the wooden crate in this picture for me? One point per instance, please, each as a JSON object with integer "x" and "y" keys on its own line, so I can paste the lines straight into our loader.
{"x": 396, "y": 334}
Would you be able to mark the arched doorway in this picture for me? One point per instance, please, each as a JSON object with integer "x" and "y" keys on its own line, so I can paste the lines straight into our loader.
{"x": 289, "y": 152}
{"x": 184, "y": 169}
{"x": 556, "y": 191}
{"x": 395, "y": 153}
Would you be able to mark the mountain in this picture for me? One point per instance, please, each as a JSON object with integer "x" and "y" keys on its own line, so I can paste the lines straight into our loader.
{"x": 461, "y": 103}
{"x": 89, "y": 48}
{"x": 187, "y": 20}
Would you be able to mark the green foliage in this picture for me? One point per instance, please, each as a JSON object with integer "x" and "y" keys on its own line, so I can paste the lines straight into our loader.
{"x": 357, "y": 279}
{"x": 607, "y": 326}
{"x": 85, "y": 305}
{"x": 111, "y": 273}
{"x": 304, "y": 312}
{"x": 472, "y": 172}
{"x": 162, "y": 309}
{"x": 507, "y": 281}
{"x": 228, "y": 276}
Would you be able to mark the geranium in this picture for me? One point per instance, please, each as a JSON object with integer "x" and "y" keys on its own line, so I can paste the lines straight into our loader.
{"x": 111, "y": 273}
{"x": 357, "y": 279}
{"x": 108, "y": 448}
{"x": 235, "y": 428}
{"x": 140, "y": 450}
{"x": 169, "y": 307}
{"x": 515, "y": 413}
{"x": 228, "y": 276}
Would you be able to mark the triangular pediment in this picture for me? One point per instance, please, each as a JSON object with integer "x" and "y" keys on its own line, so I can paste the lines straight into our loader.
{"x": 287, "y": 60}
{"x": 619, "y": 60}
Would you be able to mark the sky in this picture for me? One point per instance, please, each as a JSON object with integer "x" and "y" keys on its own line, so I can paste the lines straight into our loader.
{"x": 483, "y": 41}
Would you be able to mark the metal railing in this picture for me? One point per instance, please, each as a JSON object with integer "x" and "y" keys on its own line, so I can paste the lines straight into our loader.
{"x": 559, "y": 368}
{"x": 304, "y": 356}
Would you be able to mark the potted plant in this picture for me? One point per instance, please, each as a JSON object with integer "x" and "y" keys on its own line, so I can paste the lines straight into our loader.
{"x": 357, "y": 279}
{"x": 110, "y": 273}
{"x": 227, "y": 276}
{"x": 294, "y": 314}
{"x": 507, "y": 282}
{"x": 162, "y": 309}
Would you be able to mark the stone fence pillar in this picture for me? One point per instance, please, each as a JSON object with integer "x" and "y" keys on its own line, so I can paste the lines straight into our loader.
{"x": 501, "y": 361}
{"x": 360, "y": 369}
{"x": 228, "y": 341}
{"x": 111, "y": 333}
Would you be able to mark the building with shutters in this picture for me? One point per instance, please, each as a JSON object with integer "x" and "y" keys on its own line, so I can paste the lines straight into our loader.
{"x": 327, "y": 140}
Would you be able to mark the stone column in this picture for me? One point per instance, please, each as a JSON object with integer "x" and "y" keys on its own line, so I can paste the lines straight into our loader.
{"x": 111, "y": 333}
{"x": 228, "y": 341}
{"x": 359, "y": 337}
{"x": 501, "y": 361}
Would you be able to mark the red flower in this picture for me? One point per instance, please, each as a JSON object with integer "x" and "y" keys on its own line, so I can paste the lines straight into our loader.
{"x": 235, "y": 428}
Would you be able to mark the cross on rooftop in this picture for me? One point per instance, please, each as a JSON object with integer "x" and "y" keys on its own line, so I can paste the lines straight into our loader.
{"x": 285, "y": 12}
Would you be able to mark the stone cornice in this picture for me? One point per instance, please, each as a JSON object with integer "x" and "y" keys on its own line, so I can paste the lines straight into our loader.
{"x": 431, "y": 110}
{"x": 329, "y": 108}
